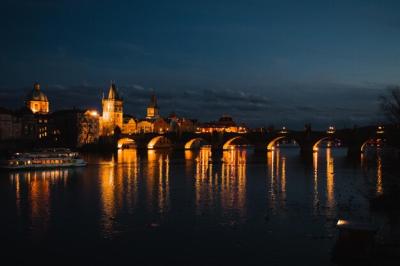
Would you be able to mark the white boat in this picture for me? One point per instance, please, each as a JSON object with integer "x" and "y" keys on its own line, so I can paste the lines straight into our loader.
{"x": 47, "y": 158}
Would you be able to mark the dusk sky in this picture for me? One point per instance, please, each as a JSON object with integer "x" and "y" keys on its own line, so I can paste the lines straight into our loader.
{"x": 263, "y": 62}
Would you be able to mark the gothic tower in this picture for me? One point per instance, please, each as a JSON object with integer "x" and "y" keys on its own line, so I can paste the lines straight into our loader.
{"x": 112, "y": 111}
{"x": 152, "y": 108}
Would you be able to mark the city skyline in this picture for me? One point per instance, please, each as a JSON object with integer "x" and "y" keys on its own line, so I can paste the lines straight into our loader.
{"x": 237, "y": 58}
{"x": 238, "y": 105}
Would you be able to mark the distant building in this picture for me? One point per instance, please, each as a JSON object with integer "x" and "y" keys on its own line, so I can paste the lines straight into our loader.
{"x": 21, "y": 124}
{"x": 37, "y": 101}
{"x": 145, "y": 126}
{"x": 28, "y": 124}
{"x": 75, "y": 128}
{"x": 6, "y": 124}
{"x": 112, "y": 116}
{"x": 152, "y": 108}
{"x": 160, "y": 125}
{"x": 129, "y": 125}
{"x": 178, "y": 124}
{"x": 224, "y": 124}
{"x": 153, "y": 121}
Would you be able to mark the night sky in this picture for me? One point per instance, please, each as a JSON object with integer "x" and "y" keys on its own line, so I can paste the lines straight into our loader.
{"x": 263, "y": 62}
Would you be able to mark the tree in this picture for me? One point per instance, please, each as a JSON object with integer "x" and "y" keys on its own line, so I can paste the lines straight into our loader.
{"x": 390, "y": 104}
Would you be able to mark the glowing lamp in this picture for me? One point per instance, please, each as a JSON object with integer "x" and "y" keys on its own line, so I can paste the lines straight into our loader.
{"x": 331, "y": 130}
{"x": 341, "y": 222}
{"x": 380, "y": 130}
{"x": 93, "y": 113}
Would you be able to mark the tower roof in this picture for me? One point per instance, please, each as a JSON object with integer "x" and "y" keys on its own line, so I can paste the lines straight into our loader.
{"x": 153, "y": 101}
{"x": 36, "y": 95}
{"x": 113, "y": 92}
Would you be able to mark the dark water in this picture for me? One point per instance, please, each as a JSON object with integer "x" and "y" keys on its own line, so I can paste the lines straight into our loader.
{"x": 184, "y": 208}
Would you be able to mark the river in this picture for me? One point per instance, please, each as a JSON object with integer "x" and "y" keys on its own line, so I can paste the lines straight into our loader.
{"x": 236, "y": 207}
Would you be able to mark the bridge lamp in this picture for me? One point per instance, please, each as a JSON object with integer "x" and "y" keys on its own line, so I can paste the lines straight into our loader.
{"x": 380, "y": 130}
{"x": 331, "y": 130}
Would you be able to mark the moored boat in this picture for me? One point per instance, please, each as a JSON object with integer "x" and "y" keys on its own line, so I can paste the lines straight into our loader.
{"x": 47, "y": 158}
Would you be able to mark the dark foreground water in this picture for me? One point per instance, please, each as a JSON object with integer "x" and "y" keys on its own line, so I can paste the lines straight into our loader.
{"x": 185, "y": 208}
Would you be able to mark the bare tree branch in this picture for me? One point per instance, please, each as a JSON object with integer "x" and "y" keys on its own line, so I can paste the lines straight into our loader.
{"x": 390, "y": 104}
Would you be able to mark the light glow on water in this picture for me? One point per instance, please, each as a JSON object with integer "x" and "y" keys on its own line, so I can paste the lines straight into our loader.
{"x": 146, "y": 197}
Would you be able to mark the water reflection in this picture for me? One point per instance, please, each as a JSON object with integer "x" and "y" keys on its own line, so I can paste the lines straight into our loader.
{"x": 233, "y": 180}
{"x": 326, "y": 175}
{"x": 315, "y": 179}
{"x": 118, "y": 186}
{"x": 225, "y": 188}
{"x": 205, "y": 194}
{"x": 371, "y": 163}
{"x": 330, "y": 178}
{"x": 130, "y": 191}
{"x": 276, "y": 164}
{"x": 32, "y": 195}
{"x": 158, "y": 180}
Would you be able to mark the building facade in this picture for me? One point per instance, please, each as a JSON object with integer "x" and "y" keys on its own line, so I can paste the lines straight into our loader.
{"x": 129, "y": 125}
{"x": 112, "y": 116}
{"x": 224, "y": 124}
{"x": 75, "y": 128}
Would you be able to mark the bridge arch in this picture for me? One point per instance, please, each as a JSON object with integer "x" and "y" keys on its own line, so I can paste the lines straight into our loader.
{"x": 373, "y": 141}
{"x": 126, "y": 143}
{"x": 231, "y": 142}
{"x": 159, "y": 142}
{"x": 195, "y": 143}
{"x": 316, "y": 144}
{"x": 272, "y": 143}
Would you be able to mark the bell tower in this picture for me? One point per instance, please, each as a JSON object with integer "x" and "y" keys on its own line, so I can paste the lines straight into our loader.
{"x": 152, "y": 108}
{"x": 112, "y": 111}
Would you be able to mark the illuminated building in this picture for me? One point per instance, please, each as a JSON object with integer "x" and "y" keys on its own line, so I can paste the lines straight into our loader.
{"x": 177, "y": 124}
{"x": 153, "y": 121}
{"x": 152, "y": 108}
{"x": 130, "y": 125}
{"x": 37, "y": 101}
{"x": 145, "y": 126}
{"x": 75, "y": 128}
{"x": 224, "y": 124}
{"x": 112, "y": 117}
{"x": 160, "y": 125}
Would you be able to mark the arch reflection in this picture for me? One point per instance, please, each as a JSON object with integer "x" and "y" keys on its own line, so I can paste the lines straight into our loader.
{"x": 233, "y": 180}
{"x": 225, "y": 188}
{"x": 372, "y": 165}
{"x": 118, "y": 186}
{"x": 330, "y": 178}
{"x": 157, "y": 183}
{"x": 276, "y": 164}
{"x": 320, "y": 174}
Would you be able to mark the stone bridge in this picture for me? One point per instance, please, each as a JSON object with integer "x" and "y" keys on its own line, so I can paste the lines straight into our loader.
{"x": 354, "y": 139}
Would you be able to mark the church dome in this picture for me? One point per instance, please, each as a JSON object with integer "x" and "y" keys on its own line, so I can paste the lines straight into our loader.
{"x": 36, "y": 94}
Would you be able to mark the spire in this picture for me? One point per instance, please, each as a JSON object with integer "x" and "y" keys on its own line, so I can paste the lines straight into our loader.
{"x": 36, "y": 86}
{"x": 153, "y": 100}
{"x": 113, "y": 92}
